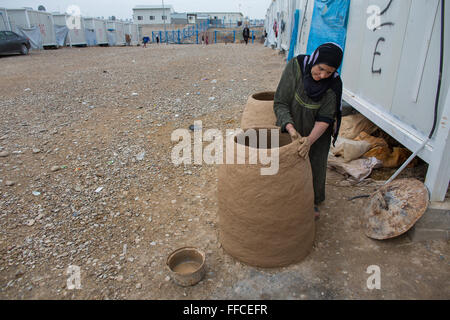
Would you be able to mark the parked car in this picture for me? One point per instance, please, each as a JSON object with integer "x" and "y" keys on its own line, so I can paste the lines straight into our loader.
{"x": 11, "y": 42}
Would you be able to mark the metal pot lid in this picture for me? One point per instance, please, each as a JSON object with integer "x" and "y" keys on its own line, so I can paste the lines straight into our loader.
{"x": 395, "y": 208}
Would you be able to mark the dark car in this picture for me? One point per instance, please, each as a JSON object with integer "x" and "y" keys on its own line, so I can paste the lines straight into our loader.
{"x": 11, "y": 42}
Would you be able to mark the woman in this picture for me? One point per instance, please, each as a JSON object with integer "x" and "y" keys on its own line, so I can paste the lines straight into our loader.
{"x": 308, "y": 106}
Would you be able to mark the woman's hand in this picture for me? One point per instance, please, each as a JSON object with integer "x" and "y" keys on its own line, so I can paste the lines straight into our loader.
{"x": 303, "y": 149}
{"x": 292, "y": 132}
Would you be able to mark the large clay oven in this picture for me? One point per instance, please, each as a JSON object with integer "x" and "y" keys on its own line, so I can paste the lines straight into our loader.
{"x": 259, "y": 112}
{"x": 266, "y": 220}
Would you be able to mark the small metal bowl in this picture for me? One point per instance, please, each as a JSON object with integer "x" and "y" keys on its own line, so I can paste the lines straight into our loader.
{"x": 186, "y": 266}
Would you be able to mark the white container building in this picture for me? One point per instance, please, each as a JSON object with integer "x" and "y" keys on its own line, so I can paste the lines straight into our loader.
{"x": 390, "y": 72}
{"x": 133, "y": 30}
{"x": 118, "y": 28}
{"x": 76, "y": 36}
{"x": 27, "y": 18}
{"x": 390, "y": 75}
{"x": 99, "y": 26}
{"x": 4, "y": 21}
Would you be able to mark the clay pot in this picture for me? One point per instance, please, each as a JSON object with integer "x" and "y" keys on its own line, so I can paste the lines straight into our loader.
{"x": 267, "y": 220}
{"x": 259, "y": 112}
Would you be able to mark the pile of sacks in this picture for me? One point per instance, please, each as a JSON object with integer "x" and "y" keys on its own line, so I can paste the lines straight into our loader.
{"x": 356, "y": 152}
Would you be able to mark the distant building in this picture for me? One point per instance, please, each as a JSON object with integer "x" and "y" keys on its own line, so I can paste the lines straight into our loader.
{"x": 216, "y": 18}
{"x": 231, "y": 18}
{"x": 180, "y": 18}
{"x": 156, "y": 14}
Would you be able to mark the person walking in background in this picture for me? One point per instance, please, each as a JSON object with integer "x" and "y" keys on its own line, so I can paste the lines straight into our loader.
{"x": 246, "y": 34}
{"x": 145, "y": 40}
{"x": 157, "y": 39}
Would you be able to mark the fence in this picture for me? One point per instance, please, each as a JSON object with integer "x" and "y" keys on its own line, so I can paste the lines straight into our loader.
{"x": 236, "y": 36}
{"x": 181, "y": 36}
{"x": 194, "y": 35}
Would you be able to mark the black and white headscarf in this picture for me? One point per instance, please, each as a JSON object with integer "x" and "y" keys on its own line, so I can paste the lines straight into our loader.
{"x": 330, "y": 54}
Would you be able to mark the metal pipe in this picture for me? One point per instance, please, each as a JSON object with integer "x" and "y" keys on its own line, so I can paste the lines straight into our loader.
{"x": 411, "y": 158}
{"x": 164, "y": 20}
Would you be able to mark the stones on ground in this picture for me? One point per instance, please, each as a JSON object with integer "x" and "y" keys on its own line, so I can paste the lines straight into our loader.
{"x": 4, "y": 154}
{"x": 36, "y": 150}
{"x": 140, "y": 156}
{"x": 36, "y": 193}
{"x": 99, "y": 189}
{"x": 9, "y": 183}
{"x": 55, "y": 168}
{"x": 138, "y": 286}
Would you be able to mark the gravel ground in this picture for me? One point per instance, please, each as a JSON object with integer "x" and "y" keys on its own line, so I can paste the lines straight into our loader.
{"x": 86, "y": 179}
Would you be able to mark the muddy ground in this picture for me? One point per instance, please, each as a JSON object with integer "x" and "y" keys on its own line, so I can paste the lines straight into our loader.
{"x": 86, "y": 179}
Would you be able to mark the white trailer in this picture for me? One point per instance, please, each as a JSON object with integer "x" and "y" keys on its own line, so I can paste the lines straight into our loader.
{"x": 4, "y": 21}
{"x": 133, "y": 30}
{"x": 76, "y": 36}
{"x": 99, "y": 27}
{"x": 390, "y": 74}
{"x": 117, "y": 28}
{"x": 26, "y": 18}
{"x": 135, "y": 40}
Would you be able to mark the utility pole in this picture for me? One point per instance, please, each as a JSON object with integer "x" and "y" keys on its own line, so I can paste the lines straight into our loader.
{"x": 164, "y": 16}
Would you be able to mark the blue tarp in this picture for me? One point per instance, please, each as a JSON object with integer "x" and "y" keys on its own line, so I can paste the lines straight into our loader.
{"x": 111, "y": 38}
{"x": 329, "y": 23}
{"x": 294, "y": 36}
{"x": 34, "y": 34}
{"x": 61, "y": 35}
{"x": 91, "y": 38}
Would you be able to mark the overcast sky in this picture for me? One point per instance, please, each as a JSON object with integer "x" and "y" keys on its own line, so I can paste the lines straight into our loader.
{"x": 122, "y": 9}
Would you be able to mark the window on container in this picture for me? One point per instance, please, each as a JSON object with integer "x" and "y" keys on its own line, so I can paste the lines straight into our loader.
{"x": 164, "y": 17}
{"x": 152, "y": 17}
{"x": 140, "y": 18}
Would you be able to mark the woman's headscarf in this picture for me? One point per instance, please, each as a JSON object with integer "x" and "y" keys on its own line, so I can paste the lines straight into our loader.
{"x": 330, "y": 54}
